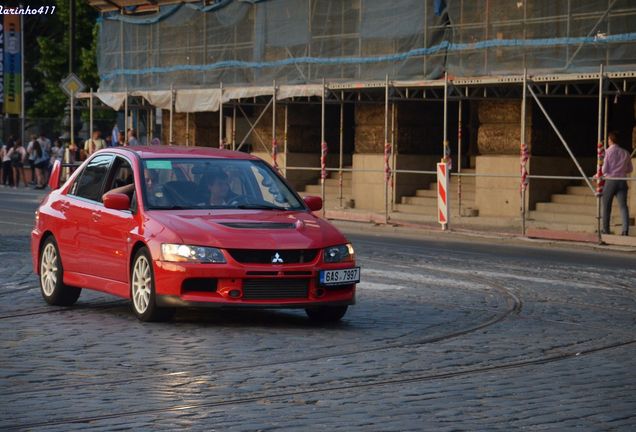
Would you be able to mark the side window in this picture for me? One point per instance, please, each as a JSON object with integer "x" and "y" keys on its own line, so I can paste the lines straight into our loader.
{"x": 121, "y": 179}
{"x": 91, "y": 181}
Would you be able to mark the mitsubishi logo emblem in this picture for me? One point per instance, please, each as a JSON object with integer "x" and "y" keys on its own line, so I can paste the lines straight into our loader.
{"x": 277, "y": 258}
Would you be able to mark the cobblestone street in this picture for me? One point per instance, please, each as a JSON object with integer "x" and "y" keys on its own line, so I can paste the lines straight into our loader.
{"x": 447, "y": 334}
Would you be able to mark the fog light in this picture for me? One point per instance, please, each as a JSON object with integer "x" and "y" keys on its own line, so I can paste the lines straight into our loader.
{"x": 320, "y": 292}
{"x": 235, "y": 293}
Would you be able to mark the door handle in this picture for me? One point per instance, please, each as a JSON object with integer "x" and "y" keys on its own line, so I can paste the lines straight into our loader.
{"x": 96, "y": 216}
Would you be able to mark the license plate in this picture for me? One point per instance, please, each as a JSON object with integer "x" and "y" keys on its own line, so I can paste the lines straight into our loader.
{"x": 340, "y": 277}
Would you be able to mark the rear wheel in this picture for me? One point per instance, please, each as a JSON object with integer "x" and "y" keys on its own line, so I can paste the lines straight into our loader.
{"x": 326, "y": 314}
{"x": 142, "y": 290}
{"x": 52, "y": 285}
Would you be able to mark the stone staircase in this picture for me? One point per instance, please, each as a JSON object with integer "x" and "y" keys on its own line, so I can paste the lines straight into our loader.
{"x": 424, "y": 202}
{"x": 332, "y": 190}
{"x": 575, "y": 210}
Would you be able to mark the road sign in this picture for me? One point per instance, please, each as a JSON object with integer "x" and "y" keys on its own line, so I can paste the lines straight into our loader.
{"x": 72, "y": 84}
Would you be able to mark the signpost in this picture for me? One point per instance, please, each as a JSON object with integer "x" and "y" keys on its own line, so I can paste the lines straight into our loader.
{"x": 71, "y": 85}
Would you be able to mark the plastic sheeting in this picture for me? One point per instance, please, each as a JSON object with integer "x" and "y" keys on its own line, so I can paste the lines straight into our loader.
{"x": 246, "y": 43}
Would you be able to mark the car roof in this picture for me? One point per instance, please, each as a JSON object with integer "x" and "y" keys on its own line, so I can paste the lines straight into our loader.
{"x": 165, "y": 151}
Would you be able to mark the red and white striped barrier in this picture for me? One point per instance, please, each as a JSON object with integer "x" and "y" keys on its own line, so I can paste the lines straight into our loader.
{"x": 600, "y": 181}
{"x": 323, "y": 160}
{"x": 442, "y": 193}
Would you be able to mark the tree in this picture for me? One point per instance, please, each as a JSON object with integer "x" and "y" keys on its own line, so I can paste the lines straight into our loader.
{"x": 48, "y": 43}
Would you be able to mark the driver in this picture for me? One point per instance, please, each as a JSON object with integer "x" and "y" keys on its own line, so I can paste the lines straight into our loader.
{"x": 219, "y": 188}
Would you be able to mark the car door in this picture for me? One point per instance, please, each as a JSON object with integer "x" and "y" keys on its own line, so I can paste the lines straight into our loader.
{"x": 112, "y": 232}
{"x": 84, "y": 209}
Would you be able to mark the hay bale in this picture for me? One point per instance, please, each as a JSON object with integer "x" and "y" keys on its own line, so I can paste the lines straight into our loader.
{"x": 372, "y": 114}
{"x": 492, "y": 111}
{"x": 500, "y": 139}
{"x": 369, "y": 139}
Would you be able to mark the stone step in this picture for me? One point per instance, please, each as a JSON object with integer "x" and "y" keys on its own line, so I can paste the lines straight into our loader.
{"x": 570, "y": 218}
{"x": 579, "y": 190}
{"x": 572, "y": 208}
{"x": 427, "y": 200}
{"x": 329, "y": 189}
{"x": 417, "y": 200}
{"x": 432, "y": 193}
{"x": 346, "y": 183}
{"x": 574, "y": 199}
{"x": 556, "y": 226}
{"x": 417, "y": 209}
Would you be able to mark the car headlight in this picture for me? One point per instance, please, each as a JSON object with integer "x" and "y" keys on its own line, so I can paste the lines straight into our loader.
{"x": 338, "y": 253}
{"x": 195, "y": 254}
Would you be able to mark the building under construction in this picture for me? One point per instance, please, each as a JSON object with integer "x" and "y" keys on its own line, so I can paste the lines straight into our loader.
{"x": 358, "y": 100}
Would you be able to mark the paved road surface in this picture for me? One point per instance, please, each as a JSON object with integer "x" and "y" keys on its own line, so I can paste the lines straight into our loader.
{"x": 449, "y": 333}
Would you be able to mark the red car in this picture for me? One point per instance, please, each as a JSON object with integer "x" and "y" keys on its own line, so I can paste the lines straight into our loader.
{"x": 188, "y": 226}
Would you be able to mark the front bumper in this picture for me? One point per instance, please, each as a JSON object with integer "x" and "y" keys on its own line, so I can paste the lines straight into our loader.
{"x": 226, "y": 282}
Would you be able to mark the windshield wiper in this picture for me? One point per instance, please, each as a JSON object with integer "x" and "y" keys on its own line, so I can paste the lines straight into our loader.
{"x": 259, "y": 207}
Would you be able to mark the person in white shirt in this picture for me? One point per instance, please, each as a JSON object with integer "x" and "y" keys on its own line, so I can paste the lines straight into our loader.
{"x": 94, "y": 143}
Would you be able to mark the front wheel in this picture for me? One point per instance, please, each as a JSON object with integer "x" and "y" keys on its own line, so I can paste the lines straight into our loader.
{"x": 52, "y": 286}
{"x": 326, "y": 314}
{"x": 142, "y": 290}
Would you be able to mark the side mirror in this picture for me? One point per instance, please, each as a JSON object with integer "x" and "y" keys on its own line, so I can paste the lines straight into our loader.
{"x": 313, "y": 202}
{"x": 116, "y": 201}
{"x": 56, "y": 172}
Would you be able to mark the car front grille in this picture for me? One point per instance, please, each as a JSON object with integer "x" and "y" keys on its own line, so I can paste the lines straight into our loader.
{"x": 258, "y": 256}
{"x": 272, "y": 289}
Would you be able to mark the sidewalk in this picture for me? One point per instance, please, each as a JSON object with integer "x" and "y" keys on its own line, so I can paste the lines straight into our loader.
{"x": 503, "y": 237}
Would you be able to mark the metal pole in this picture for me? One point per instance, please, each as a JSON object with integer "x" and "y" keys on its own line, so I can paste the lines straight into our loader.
{"x": 126, "y": 116}
{"x": 234, "y": 127}
{"x": 72, "y": 117}
{"x": 459, "y": 158}
{"x": 171, "y": 138}
{"x": 274, "y": 143}
{"x": 221, "y": 143}
{"x": 323, "y": 148}
{"x": 524, "y": 156}
{"x": 393, "y": 156}
{"x": 387, "y": 150}
{"x": 22, "y": 120}
{"x": 187, "y": 129}
{"x": 90, "y": 115}
{"x": 446, "y": 151}
{"x": 605, "y": 131}
{"x": 556, "y": 130}
{"x": 599, "y": 157}
{"x": 151, "y": 126}
{"x": 341, "y": 149}
{"x": 285, "y": 140}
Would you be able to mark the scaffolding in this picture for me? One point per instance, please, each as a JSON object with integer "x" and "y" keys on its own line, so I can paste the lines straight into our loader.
{"x": 601, "y": 86}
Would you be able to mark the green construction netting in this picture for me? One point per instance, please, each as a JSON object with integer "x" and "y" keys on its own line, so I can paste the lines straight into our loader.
{"x": 303, "y": 41}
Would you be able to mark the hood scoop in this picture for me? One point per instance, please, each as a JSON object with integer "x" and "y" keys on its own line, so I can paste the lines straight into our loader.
{"x": 259, "y": 225}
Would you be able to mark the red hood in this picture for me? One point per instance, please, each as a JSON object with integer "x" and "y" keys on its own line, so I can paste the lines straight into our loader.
{"x": 205, "y": 228}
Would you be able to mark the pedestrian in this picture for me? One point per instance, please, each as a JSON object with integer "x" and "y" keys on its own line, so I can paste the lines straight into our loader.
{"x": 7, "y": 170}
{"x": 132, "y": 137}
{"x": 121, "y": 139}
{"x": 109, "y": 141}
{"x": 617, "y": 164}
{"x": 42, "y": 161}
{"x": 115, "y": 134}
{"x": 31, "y": 157}
{"x": 94, "y": 143}
{"x": 18, "y": 156}
{"x": 57, "y": 153}
{"x": 45, "y": 143}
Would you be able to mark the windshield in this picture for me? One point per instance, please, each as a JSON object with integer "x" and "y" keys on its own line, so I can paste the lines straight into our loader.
{"x": 210, "y": 183}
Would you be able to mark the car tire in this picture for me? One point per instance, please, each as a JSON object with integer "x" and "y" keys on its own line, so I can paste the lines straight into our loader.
{"x": 142, "y": 290}
{"x": 326, "y": 314}
{"x": 52, "y": 286}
